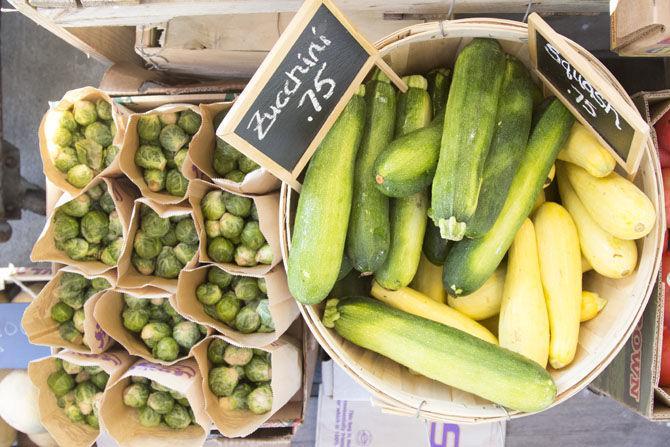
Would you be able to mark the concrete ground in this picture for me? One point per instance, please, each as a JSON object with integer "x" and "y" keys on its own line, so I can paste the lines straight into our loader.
{"x": 38, "y": 67}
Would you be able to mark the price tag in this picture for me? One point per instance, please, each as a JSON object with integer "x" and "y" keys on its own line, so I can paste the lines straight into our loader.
{"x": 589, "y": 95}
{"x": 15, "y": 349}
{"x": 300, "y": 89}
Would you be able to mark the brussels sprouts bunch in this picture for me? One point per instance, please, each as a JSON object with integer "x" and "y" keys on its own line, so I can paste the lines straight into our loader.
{"x": 240, "y": 377}
{"x": 160, "y": 327}
{"x": 84, "y": 141}
{"x": 228, "y": 162}
{"x": 156, "y": 404}
{"x": 238, "y": 301}
{"x": 78, "y": 390}
{"x": 88, "y": 228}
{"x": 233, "y": 232}
{"x": 72, "y": 292}
{"x": 164, "y": 140}
{"x": 163, "y": 246}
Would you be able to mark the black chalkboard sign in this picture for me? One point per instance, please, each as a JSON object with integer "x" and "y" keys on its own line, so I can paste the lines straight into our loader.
{"x": 300, "y": 89}
{"x": 587, "y": 94}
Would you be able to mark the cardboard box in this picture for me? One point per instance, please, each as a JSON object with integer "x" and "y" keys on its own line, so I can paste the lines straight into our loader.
{"x": 632, "y": 377}
{"x": 640, "y": 27}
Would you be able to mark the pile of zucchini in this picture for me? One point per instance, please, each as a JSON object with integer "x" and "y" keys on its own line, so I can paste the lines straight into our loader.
{"x": 456, "y": 168}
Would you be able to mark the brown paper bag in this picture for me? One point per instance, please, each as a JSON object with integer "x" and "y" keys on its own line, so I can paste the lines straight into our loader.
{"x": 268, "y": 220}
{"x": 108, "y": 311}
{"x": 120, "y": 116}
{"x": 129, "y": 277}
{"x": 260, "y": 181}
{"x": 64, "y": 431}
{"x": 121, "y": 421}
{"x": 286, "y": 363}
{"x": 45, "y": 249}
{"x": 42, "y": 330}
{"x": 132, "y": 142}
{"x": 282, "y": 306}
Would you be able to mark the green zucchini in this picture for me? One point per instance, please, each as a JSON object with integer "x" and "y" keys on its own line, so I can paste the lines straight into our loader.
{"x": 413, "y": 111}
{"x": 323, "y": 210}
{"x": 408, "y": 165}
{"x": 439, "y": 80}
{"x": 434, "y": 247}
{"x": 469, "y": 123}
{"x": 369, "y": 234}
{"x": 472, "y": 261}
{"x": 515, "y": 112}
{"x": 443, "y": 353}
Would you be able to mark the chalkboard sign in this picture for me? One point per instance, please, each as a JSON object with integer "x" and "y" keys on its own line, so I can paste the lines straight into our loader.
{"x": 299, "y": 90}
{"x": 590, "y": 96}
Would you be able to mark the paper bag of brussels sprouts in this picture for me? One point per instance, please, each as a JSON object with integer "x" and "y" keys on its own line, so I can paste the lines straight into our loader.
{"x": 148, "y": 326}
{"x": 155, "y": 152}
{"x": 247, "y": 310}
{"x": 162, "y": 241}
{"x": 62, "y": 313}
{"x": 89, "y": 230}
{"x": 80, "y": 138}
{"x": 226, "y": 166}
{"x": 244, "y": 387}
{"x": 237, "y": 232}
{"x": 71, "y": 386}
{"x": 155, "y": 405}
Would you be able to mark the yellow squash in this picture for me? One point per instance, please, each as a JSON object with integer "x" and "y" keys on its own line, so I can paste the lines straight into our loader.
{"x": 592, "y": 304}
{"x": 616, "y": 204}
{"x": 584, "y": 149}
{"x": 524, "y": 324}
{"x": 413, "y": 302}
{"x": 585, "y": 265}
{"x": 485, "y": 302}
{"x": 428, "y": 280}
{"x": 608, "y": 255}
{"x": 561, "y": 273}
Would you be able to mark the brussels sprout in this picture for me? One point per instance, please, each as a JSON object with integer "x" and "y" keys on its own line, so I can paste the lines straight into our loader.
{"x": 76, "y": 249}
{"x": 84, "y": 112}
{"x": 185, "y": 231}
{"x": 89, "y": 293}
{"x": 103, "y": 109}
{"x": 258, "y": 370}
{"x": 66, "y": 158}
{"x": 259, "y": 401}
{"x": 152, "y": 333}
{"x": 154, "y": 179}
{"x": 75, "y": 300}
{"x": 227, "y": 150}
{"x": 89, "y": 153}
{"x": 61, "y": 136}
{"x": 237, "y": 400}
{"x": 106, "y": 202}
{"x": 208, "y": 293}
{"x": 77, "y": 207}
{"x": 145, "y": 246}
{"x": 93, "y": 253}
{"x": 212, "y": 228}
{"x": 73, "y": 413}
{"x": 262, "y": 285}
{"x": 210, "y": 310}
{"x": 178, "y": 417}
{"x": 65, "y": 227}
{"x": 227, "y": 308}
{"x": 166, "y": 349}
{"x": 170, "y": 238}
{"x": 78, "y": 320}
{"x": 263, "y": 311}
{"x": 92, "y": 421}
{"x": 169, "y": 157}
{"x": 185, "y": 252}
{"x": 94, "y": 226}
{"x": 231, "y": 225}
{"x": 238, "y": 205}
{"x": 65, "y": 400}
{"x": 153, "y": 225}
{"x": 143, "y": 266}
{"x": 77, "y": 136}
{"x": 100, "y": 380}
{"x": 71, "y": 368}
{"x": 168, "y": 118}
{"x": 82, "y": 376}
{"x": 179, "y": 158}
{"x": 167, "y": 264}
{"x": 245, "y": 256}
{"x": 83, "y": 396}
{"x": 223, "y": 380}
{"x": 134, "y": 302}
{"x": 177, "y": 396}
{"x": 265, "y": 255}
{"x": 167, "y": 307}
{"x": 235, "y": 176}
{"x": 161, "y": 402}
{"x": 72, "y": 282}
{"x": 175, "y": 183}
{"x": 65, "y": 119}
{"x": 100, "y": 283}
{"x": 159, "y": 314}
{"x": 215, "y": 351}
{"x": 99, "y": 132}
{"x": 247, "y": 289}
{"x": 236, "y": 356}
{"x": 135, "y": 319}
{"x": 222, "y": 163}
{"x": 220, "y": 249}
{"x": 109, "y": 154}
{"x": 173, "y": 138}
{"x": 158, "y": 387}
{"x": 61, "y": 312}
{"x": 149, "y": 418}
{"x": 110, "y": 254}
{"x": 212, "y": 205}
{"x": 136, "y": 395}
{"x": 186, "y": 334}
{"x": 246, "y": 164}
{"x": 254, "y": 213}
{"x": 149, "y": 156}
{"x": 252, "y": 236}
{"x": 189, "y": 121}
{"x": 219, "y": 277}
{"x": 60, "y": 382}
{"x": 138, "y": 379}
{"x": 149, "y": 127}
{"x": 247, "y": 320}
{"x": 79, "y": 175}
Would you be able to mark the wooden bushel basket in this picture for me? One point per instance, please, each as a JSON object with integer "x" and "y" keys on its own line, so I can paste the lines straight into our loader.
{"x": 418, "y": 49}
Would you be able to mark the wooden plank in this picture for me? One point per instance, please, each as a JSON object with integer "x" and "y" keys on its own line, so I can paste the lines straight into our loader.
{"x": 153, "y": 11}
{"x": 54, "y": 3}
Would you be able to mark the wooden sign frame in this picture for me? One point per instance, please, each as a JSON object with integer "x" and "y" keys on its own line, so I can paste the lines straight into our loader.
{"x": 280, "y": 51}
{"x": 602, "y": 89}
